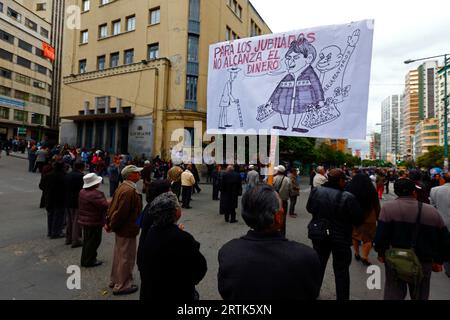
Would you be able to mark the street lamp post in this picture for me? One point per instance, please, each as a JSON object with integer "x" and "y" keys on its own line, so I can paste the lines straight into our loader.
{"x": 445, "y": 105}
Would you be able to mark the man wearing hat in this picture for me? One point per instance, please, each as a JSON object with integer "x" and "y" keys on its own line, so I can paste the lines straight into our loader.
{"x": 227, "y": 98}
{"x": 402, "y": 223}
{"x": 252, "y": 179}
{"x": 125, "y": 208}
{"x": 92, "y": 207}
{"x": 282, "y": 185}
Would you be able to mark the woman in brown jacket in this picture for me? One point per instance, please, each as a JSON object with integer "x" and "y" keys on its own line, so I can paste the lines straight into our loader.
{"x": 362, "y": 188}
{"x": 92, "y": 207}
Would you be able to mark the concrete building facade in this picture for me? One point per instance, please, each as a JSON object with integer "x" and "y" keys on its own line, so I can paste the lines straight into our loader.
{"x": 135, "y": 71}
{"x": 441, "y": 100}
{"x": 426, "y": 135}
{"x": 410, "y": 114}
{"x": 390, "y": 127}
{"x": 25, "y": 74}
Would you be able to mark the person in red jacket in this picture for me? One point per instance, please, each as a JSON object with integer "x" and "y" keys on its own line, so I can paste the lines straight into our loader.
{"x": 92, "y": 207}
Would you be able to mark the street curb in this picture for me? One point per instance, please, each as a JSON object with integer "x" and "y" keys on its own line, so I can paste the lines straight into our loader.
{"x": 18, "y": 157}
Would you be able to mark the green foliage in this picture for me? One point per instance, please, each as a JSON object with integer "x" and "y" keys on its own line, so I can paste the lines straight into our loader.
{"x": 433, "y": 158}
{"x": 302, "y": 149}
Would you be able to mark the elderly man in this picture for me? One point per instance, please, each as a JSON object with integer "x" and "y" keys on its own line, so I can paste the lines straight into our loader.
{"x": 123, "y": 212}
{"x": 174, "y": 176}
{"x": 252, "y": 179}
{"x": 440, "y": 198}
{"x": 282, "y": 185}
{"x": 187, "y": 182}
{"x": 172, "y": 263}
{"x": 320, "y": 178}
{"x": 230, "y": 190}
{"x": 264, "y": 265}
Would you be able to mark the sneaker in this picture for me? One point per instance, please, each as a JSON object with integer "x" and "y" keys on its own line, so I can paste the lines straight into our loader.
{"x": 129, "y": 290}
{"x": 95, "y": 264}
{"x": 233, "y": 221}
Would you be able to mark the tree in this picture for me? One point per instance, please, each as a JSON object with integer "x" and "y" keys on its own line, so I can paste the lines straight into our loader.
{"x": 433, "y": 158}
{"x": 301, "y": 149}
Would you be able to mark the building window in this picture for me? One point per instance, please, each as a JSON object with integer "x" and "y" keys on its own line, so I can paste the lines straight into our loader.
{"x": 39, "y": 100}
{"x": 1, "y": 6}
{"x": 114, "y": 60}
{"x": 153, "y": 51}
{"x": 155, "y": 16}
{"x": 103, "y": 2}
{"x": 25, "y": 46}
{"x": 39, "y": 52}
{"x": 38, "y": 84}
{"x": 101, "y": 62}
{"x": 128, "y": 56}
{"x": 21, "y": 95}
{"x": 131, "y": 23}
{"x": 239, "y": 11}
{"x": 20, "y": 115}
{"x": 191, "y": 88}
{"x": 24, "y": 62}
{"x": 22, "y": 79}
{"x": 14, "y": 14}
{"x": 189, "y": 137}
{"x": 40, "y": 69}
{"x": 6, "y": 55}
{"x": 44, "y": 32}
{"x": 30, "y": 24}
{"x": 4, "y": 113}
{"x": 86, "y": 5}
{"x": 5, "y": 73}
{"x": 255, "y": 30}
{"x": 228, "y": 34}
{"x": 5, "y": 91}
{"x": 5, "y": 36}
{"x": 84, "y": 36}
{"x": 37, "y": 118}
{"x": 41, "y": 6}
{"x": 193, "y": 48}
{"x": 103, "y": 31}
{"x": 82, "y": 66}
{"x": 116, "y": 27}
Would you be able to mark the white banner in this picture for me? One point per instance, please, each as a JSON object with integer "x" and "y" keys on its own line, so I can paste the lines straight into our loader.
{"x": 306, "y": 83}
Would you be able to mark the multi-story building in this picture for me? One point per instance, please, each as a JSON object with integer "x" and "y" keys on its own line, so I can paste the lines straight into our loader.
{"x": 410, "y": 114}
{"x": 426, "y": 135}
{"x": 390, "y": 127}
{"x": 375, "y": 146}
{"x": 428, "y": 89}
{"x": 25, "y": 73}
{"x": 441, "y": 100}
{"x": 135, "y": 71}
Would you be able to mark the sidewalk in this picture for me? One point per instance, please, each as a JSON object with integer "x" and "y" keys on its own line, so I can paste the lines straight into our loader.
{"x": 19, "y": 155}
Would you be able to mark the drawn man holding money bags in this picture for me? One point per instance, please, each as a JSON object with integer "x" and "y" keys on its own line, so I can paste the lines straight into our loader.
{"x": 300, "y": 90}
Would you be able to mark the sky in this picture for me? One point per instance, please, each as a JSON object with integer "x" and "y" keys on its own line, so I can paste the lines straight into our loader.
{"x": 403, "y": 30}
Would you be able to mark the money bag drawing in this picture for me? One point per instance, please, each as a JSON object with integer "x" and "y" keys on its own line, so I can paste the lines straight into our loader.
{"x": 308, "y": 96}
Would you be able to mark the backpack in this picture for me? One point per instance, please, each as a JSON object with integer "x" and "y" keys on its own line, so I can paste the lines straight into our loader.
{"x": 404, "y": 262}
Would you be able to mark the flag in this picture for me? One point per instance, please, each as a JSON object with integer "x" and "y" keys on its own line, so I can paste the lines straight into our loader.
{"x": 49, "y": 51}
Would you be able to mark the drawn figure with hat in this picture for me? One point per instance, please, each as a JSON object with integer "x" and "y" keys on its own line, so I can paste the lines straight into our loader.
{"x": 300, "y": 90}
{"x": 227, "y": 99}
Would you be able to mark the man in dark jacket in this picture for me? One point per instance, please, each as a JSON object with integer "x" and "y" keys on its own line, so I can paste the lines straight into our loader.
{"x": 339, "y": 211}
{"x": 396, "y": 228}
{"x": 172, "y": 261}
{"x": 73, "y": 183}
{"x": 52, "y": 186}
{"x": 230, "y": 190}
{"x": 264, "y": 265}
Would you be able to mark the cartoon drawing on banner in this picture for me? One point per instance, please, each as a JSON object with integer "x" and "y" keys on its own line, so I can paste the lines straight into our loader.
{"x": 307, "y": 97}
{"x": 228, "y": 99}
{"x": 310, "y": 82}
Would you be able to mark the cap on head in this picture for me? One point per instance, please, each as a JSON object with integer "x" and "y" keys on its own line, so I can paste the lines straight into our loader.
{"x": 280, "y": 169}
{"x": 146, "y": 162}
{"x": 129, "y": 169}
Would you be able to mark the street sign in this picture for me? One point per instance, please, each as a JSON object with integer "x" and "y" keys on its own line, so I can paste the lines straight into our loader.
{"x": 21, "y": 131}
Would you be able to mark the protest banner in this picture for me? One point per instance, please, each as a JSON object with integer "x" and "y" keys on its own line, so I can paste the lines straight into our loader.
{"x": 305, "y": 83}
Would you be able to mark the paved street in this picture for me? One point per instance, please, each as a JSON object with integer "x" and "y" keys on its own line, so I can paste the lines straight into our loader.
{"x": 34, "y": 267}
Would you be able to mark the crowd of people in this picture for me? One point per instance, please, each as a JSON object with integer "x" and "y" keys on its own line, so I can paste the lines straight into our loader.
{"x": 263, "y": 264}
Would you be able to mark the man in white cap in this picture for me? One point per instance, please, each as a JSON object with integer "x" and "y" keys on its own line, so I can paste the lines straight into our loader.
{"x": 282, "y": 185}
{"x": 320, "y": 178}
{"x": 125, "y": 208}
{"x": 252, "y": 179}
